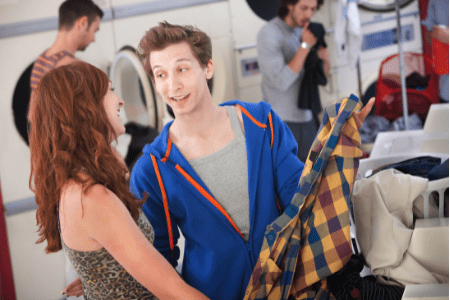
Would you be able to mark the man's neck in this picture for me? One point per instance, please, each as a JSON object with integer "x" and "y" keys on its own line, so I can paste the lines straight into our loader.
{"x": 198, "y": 124}
{"x": 289, "y": 22}
{"x": 65, "y": 41}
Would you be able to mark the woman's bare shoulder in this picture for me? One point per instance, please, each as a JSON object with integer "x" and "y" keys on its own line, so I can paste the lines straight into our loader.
{"x": 76, "y": 198}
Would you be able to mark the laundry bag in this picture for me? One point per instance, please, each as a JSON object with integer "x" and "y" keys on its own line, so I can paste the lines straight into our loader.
{"x": 440, "y": 57}
{"x": 421, "y": 81}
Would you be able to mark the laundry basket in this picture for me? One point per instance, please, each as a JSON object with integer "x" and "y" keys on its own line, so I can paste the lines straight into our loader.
{"x": 422, "y": 86}
{"x": 434, "y": 187}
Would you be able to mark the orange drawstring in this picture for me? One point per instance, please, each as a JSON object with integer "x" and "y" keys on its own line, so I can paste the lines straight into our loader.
{"x": 169, "y": 147}
{"x": 251, "y": 117}
{"x": 271, "y": 130}
{"x": 271, "y": 140}
{"x": 198, "y": 186}
{"x": 208, "y": 196}
{"x": 271, "y": 146}
{"x": 166, "y": 204}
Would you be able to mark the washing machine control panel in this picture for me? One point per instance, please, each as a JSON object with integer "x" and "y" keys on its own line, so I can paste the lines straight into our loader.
{"x": 386, "y": 37}
{"x": 249, "y": 66}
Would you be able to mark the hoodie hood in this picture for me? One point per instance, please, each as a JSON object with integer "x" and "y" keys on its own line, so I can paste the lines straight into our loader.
{"x": 259, "y": 112}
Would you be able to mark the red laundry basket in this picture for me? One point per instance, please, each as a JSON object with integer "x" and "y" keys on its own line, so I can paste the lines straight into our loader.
{"x": 388, "y": 94}
{"x": 440, "y": 57}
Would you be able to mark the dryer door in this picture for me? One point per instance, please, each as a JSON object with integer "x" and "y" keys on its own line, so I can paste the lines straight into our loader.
{"x": 266, "y": 10}
{"x": 381, "y": 5}
{"x": 134, "y": 86}
{"x": 142, "y": 112}
{"x": 21, "y": 100}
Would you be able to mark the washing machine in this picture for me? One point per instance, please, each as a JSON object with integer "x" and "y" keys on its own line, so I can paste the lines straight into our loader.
{"x": 379, "y": 40}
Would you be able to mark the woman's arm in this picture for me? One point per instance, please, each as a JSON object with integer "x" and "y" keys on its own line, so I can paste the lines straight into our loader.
{"x": 144, "y": 180}
{"x": 108, "y": 222}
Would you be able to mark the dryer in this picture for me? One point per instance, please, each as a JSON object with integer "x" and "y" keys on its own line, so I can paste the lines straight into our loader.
{"x": 379, "y": 27}
{"x": 142, "y": 113}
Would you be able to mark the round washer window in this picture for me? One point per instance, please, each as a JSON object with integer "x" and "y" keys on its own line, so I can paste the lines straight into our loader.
{"x": 21, "y": 99}
{"x": 265, "y": 9}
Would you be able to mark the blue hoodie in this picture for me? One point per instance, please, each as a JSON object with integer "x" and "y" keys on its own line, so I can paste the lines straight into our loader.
{"x": 217, "y": 261}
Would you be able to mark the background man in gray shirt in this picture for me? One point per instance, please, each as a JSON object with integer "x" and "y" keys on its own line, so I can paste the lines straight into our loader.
{"x": 437, "y": 28}
{"x": 283, "y": 45}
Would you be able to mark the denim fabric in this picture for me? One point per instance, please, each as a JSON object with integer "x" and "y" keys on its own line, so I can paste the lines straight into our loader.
{"x": 438, "y": 172}
{"x": 418, "y": 166}
{"x": 371, "y": 127}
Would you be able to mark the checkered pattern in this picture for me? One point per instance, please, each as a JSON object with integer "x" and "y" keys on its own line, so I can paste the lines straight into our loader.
{"x": 311, "y": 239}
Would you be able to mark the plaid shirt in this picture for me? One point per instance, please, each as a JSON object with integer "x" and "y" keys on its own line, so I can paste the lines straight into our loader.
{"x": 311, "y": 239}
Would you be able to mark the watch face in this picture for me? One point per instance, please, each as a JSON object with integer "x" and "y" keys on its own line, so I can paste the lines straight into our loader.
{"x": 381, "y": 5}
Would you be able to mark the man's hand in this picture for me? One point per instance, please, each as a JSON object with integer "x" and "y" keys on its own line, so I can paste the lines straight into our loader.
{"x": 322, "y": 53}
{"x": 362, "y": 114}
{"x": 74, "y": 289}
{"x": 308, "y": 36}
{"x": 440, "y": 33}
{"x": 297, "y": 62}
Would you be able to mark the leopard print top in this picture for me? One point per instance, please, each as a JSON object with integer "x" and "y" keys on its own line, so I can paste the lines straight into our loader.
{"x": 103, "y": 277}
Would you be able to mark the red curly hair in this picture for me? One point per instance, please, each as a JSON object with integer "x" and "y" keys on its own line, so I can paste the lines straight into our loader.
{"x": 70, "y": 132}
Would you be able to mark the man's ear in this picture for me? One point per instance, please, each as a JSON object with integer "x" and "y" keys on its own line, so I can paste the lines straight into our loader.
{"x": 209, "y": 69}
{"x": 290, "y": 7}
{"x": 82, "y": 23}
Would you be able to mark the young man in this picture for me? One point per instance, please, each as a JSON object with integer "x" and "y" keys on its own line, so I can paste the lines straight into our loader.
{"x": 283, "y": 45}
{"x": 215, "y": 172}
{"x": 79, "y": 20}
{"x": 219, "y": 173}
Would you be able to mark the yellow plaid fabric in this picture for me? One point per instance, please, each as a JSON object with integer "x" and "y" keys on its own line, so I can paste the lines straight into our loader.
{"x": 311, "y": 239}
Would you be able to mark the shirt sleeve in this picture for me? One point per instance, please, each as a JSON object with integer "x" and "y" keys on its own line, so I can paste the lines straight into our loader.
{"x": 287, "y": 167}
{"x": 143, "y": 180}
{"x": 430, "y": 21}
{"x": 271, "y": 59}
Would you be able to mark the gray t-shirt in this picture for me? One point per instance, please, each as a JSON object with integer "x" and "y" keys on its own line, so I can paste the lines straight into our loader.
{"x": 437, "y": 14}
{"x": 277, "y": 44}
{"x": 225, "y": 173}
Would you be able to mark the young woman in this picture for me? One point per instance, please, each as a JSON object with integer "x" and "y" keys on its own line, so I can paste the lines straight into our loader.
{"x": 84, "y": 204}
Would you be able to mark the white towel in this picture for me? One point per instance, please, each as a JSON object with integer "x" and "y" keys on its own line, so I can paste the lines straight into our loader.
{"x": 347, "y": 34}
{"x": 383, "y": 208}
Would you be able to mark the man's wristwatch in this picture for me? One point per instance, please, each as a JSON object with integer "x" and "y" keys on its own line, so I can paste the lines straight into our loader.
{"x": 305, "y": 45}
